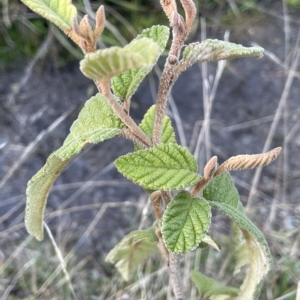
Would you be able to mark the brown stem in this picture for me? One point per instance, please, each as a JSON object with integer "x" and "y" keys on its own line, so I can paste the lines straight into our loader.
{"x": 166, "y": 197}
{"x": 128, "y": 134}
{"x": 155, "y": 199}
{"x": 104, "y": 87}
{"x": 209, "y": 172}
{"x": 161, "y": 245}
{"x": 168, "y": 76}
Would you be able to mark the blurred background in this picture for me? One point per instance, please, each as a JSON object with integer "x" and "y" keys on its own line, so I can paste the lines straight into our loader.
{"x": 226, "y": 108}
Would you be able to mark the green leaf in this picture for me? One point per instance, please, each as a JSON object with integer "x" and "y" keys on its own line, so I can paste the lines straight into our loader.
{"x": 37, "y": 192}
{"x": 217, "y": 50}
{"x": 125, "y": 84}
{"x": 185, "y": 222}
{"x": 165, "y": 167}
{"x": 209, "y": 287}
{"x": 59, "y": 12}
{"x": 132, "y": 250}
{"x": 259, "y": 254}
{"x": 96, "y": 122}
{"x": 147, "y": 124}
{"x": 104, "y": 64}
{"x": 222, "y": 189}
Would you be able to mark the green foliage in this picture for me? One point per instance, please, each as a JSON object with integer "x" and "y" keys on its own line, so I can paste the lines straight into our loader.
{"x": 37, "y": 192}
{"x": 217, "y": 50}
{"x": 125, "y": 84}
{"x": 135, "y": 247}
{"x": 210, "y": 288}
{"x": 222, "y": 189}
{"x": 258, "y": 253}
{"x": 165, "y": 167}
{"x": 168, "y": 166}
{"x": 59, "y": 12}
{"x": 185, "y": 222}
{"x": 168, "y": 134}
{"x": 96, "y": 122}
{"x": 104, "y": 64}
{"x": 293, "y": 3}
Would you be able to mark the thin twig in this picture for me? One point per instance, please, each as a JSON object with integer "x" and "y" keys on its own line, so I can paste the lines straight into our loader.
{"x": 121, "y": 113}
{"x": 61, "y": 260}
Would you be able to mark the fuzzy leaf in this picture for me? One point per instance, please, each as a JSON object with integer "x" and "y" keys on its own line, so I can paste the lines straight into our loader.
{"x": 104, "y": 64}
{"x": 37, "y": 192}
{"x": 209, "y": 287}
{"x": 165, "y": 167}
{"x": 259, "y": 266}
{"x": 132, "y": 250}
{"x": 258, "y": 250}
{"x": 240, "y": 248}
{"x": 96, "y": 122}
{"x": 222, "y": 189}
{"x": 59, "y": 12}
{"x": 125, "y": 84}
{"x": 147, "y": 124}
{"x": 185, "y": 222}
{"x": 217, "y": 50}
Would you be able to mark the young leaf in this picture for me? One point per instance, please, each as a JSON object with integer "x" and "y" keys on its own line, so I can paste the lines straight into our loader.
{"x": 185, "y": 222}
{"x": 208, "y": 241}
{"x": 59, "y": 12}
{"x": 96, "y": 122}
{"x": 125, "y": 84}
{"x": 164, "y": 167}
{"x": 241, "y": 252}
{"x": 209, "y": 287}
{"x": 216, "y": 50}
{"x": 147, "y": 124}
{"x": 258, "y": 250}
{"x": 132, "y": 250}
{"x": 259, "y": 265}
{"x": 222, "y": 189}
{"x": 37, "y": 192}
{"x": 104, "y": 64}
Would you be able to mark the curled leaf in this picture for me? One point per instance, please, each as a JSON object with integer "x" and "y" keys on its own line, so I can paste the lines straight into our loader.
{"x": 241, "y": 162}
{"x": 209, "y": 50}
{"x": 104, "y": 64}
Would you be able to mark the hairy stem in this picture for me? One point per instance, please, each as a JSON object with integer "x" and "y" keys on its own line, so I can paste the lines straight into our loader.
{"x": 168, "y": 76}
{"x": 176, "y": 279}
{"x": 104, "y": 87}
{"x": 128, "y": 134}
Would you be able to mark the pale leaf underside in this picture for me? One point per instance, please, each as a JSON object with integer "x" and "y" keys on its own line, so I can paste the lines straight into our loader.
{"x": 60, "y": 12}
{"x": 132, "y": 250}
{"x": 125, "y": 84}
{"x": 104, "y": 64}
